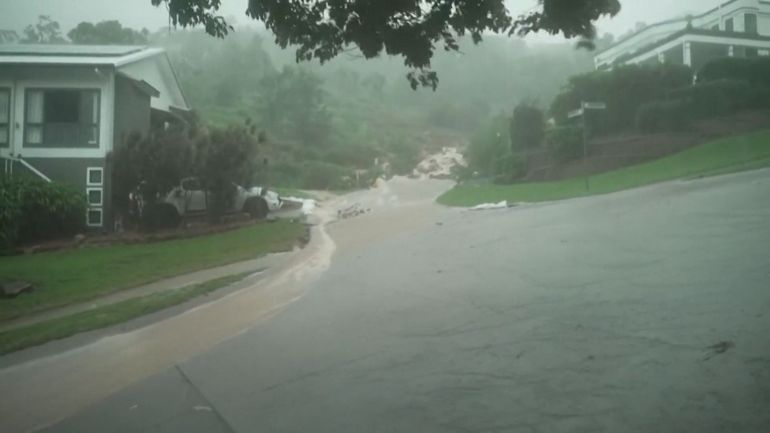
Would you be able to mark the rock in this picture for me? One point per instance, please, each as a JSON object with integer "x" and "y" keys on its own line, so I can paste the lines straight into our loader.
{"x": 14, "y": 288}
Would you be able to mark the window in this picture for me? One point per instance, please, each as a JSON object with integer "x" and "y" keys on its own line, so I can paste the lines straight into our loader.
{"x": 94, "y": 218}
{"x": 94, "y": 196}
{"x": 5, "y": 117}
{"x": 751, "y": 23}
{"x": 94, "y": 176}
{"x": 61, "y": 118}
{"x": 729, "y": 25}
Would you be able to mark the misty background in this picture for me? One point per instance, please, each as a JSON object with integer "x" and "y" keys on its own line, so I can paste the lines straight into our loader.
{"x": 325, "y": 122}
{"x": 140, "y": 13}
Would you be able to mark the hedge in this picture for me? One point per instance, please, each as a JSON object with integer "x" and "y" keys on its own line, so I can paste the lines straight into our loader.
{"x": 34, "y": 210}
{"x": 565, "y": 143}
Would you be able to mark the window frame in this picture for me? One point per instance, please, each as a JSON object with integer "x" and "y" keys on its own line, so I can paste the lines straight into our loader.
{"x": 42, "y": 145}
{"x": 100, "y": 211}
{"x": 88, "y": 176}
{"x": 100, "y": 190}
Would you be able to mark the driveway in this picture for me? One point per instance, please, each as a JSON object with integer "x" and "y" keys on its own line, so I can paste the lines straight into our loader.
{"x": 641, "y": 311}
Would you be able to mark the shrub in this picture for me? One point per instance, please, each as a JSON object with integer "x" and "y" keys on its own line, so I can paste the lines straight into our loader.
{"x": 527, "y": 127}
{"x": 35, "y": 211}
{"x": 624, "y": 89}
{"x": 488, "y": 145}
{"x": 657, "y": 116}
{"x": 227, "y": 157}
{"x": 565, "y": 143}
{"x": 510, "y": 168}
{"x": 752, "y": 70}
{"x": 324, "y": 175}
{"x": 714, "y": 98}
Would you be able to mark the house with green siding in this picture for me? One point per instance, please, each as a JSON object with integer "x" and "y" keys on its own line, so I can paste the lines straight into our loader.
{"x": 65, "y": 108}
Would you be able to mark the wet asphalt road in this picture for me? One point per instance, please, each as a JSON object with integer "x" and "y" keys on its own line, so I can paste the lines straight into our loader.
{"x": 603, "y": 314}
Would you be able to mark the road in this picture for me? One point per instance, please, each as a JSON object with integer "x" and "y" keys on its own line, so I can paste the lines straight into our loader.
{"x": 640, "y": 311}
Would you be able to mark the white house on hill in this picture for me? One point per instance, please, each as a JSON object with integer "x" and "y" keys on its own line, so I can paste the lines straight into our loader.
{"x": 64, "y": 108}
{"x": 739, "y": 28}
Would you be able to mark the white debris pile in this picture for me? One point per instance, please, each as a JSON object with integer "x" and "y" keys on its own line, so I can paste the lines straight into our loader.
{"x": 308, "y": 204}
{"x": 439, "y": 165}
{"x": 351, "y": 211}
{"x": 490, "y": 206}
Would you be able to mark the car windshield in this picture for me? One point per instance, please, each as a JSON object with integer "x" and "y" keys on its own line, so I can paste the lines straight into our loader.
{"x": 385, "y": 216}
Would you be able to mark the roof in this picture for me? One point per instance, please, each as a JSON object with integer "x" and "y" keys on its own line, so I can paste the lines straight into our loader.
{"x": 115, "y": 55}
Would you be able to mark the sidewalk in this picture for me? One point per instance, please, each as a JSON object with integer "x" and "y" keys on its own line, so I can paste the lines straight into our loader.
{"x": 257, "y": 265}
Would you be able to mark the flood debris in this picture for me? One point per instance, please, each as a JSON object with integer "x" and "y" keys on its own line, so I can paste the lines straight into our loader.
{"x": 718, "y": 349}
{"x": 12, "y": 289}
{"x": 352, "y": 211}
{"x": 490, "y": 206}
{"x": 307, "y": 205}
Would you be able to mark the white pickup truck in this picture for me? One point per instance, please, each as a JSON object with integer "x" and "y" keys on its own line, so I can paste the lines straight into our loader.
{"x": 189, "y": 198}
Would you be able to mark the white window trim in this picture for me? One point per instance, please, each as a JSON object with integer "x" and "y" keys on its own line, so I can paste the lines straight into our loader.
{"x": 88, "y": 176}
{"x": 101, "y": 196}
{"x": 101, "y": 217}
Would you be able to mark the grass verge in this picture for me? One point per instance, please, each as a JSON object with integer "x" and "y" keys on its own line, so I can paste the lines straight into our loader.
{"x": 743, "y": 152}
{"x": 70, "y": 276}
{"x": 101, "y": 317}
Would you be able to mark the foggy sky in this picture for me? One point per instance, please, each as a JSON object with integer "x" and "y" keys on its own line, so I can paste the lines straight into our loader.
{"x": 16, "y": 14}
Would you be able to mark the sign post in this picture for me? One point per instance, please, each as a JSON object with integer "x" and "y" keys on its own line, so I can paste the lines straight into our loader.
{"x": 582, "y": 112}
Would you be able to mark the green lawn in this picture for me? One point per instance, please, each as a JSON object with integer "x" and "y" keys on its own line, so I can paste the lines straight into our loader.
{"x": 726, "y": 155}
{"x": 70, "y": 276}
{"x": 39, "y": 333}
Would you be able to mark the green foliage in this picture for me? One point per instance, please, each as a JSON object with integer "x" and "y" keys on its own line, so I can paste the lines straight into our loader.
{"x": 403, "y": 155}
{"x": 35, "y": 210}
{"x": 527, "y": 127}
{"x": 673, "y": 115}
{"x": 510, "y": 168}
{"x": 753, "y": 70}
{"x": 412, "y": 29}
{"x": 624, "y": 89}
{"x": 292, "y": 105}
{"x": 488, "y": 146}
{"x": 107, "y": 33}
{"x": 715, "y": 98}
{"x": 154, "y": 164}
{"x": 45, "y": 31}
{"x": 226, "y": 158}
{"x": 565, "y": 142}
{"x": 325, "y": 175}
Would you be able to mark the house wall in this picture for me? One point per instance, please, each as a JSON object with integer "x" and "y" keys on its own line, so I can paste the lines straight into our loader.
{"x": 21, "y": 78}
{"x": 132, "y": 111}
{"x": 65, "y": 165}
{"x": 158, "y": 73}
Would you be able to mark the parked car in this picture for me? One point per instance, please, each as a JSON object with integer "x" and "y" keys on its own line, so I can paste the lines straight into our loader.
{"x": 189, "y": 199}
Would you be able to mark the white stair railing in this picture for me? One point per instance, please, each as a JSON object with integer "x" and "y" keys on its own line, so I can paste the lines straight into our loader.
{"x": 8, "y": 162}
